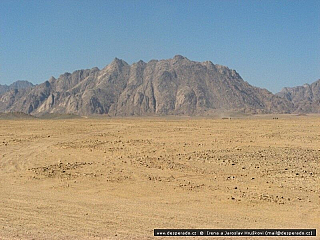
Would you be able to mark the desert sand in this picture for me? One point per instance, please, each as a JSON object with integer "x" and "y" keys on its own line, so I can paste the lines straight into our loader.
{"x": 112, "y": 178}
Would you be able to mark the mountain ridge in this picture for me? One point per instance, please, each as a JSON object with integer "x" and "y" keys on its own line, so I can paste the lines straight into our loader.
{"x": 176, "y": 86}
{"x": 305, "y": 98}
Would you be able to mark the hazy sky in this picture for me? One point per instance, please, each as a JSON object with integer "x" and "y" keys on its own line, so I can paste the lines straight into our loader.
{"x": 271, "y": 44}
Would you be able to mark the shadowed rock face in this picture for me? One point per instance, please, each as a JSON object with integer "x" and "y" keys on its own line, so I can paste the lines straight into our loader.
{"x": 305, "y": 98}
{"x": 175, "y": 86}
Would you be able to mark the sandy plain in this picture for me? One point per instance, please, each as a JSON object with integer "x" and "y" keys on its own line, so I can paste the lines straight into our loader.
{"x": 121, "y": 178}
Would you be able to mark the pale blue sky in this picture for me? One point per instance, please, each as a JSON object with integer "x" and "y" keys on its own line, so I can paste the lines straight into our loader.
{"x": 272, "y": 44}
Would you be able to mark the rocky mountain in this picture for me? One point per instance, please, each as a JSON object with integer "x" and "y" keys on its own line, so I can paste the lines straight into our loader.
{"x": 160, "y": 87}
{"x": 305, "y": 98}
{"x": 16, "y": 85}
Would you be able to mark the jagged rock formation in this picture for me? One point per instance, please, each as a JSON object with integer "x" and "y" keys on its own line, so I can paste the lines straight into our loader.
{"x": 175, "y": 86}
{"x": 16, "y": 85}
{"x": 305, "y": 98}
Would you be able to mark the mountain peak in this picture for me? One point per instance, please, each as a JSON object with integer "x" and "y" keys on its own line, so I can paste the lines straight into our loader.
{"x": 141, "y": 62}
{"x": 305, "y": 98}
{"x": 116, "y": 63}
{"x": 179, "y": 57}
{"x": 119, "y": 61}
{"x": 52, "y": 79}
{"x": 21, "y": 84}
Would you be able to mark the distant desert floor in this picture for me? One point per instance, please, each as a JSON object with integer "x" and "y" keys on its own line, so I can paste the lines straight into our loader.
{"x": 121, "y": 178}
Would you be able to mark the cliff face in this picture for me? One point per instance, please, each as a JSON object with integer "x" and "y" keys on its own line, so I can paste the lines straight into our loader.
{"x": 305, "y": 98}
{"x": 175, "y": 86}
